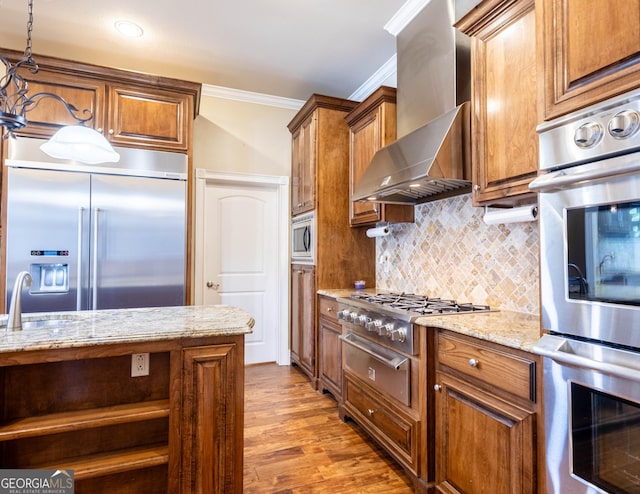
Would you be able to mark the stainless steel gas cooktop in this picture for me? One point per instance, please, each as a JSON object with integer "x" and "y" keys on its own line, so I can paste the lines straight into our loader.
{"x": 408, "y": 307}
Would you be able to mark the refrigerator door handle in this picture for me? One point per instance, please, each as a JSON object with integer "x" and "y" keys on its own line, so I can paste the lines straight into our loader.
{"x": 79, "y": 270}
{"x": 94, "y": 280}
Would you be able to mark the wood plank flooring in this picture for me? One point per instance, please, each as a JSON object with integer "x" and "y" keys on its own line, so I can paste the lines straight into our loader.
{"x": 295, "y": 443}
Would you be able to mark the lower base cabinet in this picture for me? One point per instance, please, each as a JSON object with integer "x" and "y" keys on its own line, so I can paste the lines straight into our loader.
{"x": 177, "y": 430}
{"x": 486, "y": 418}
{"x": 330, "y": 347}
{"x": 304, "y": 337}
{"x": 394, "y": 428}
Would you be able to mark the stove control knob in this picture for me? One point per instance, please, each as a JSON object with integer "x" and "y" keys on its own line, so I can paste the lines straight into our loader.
{"x": 344, "y": 314}
{"x": 389, "y": 329}
{"x": 624, "y": 124}
{"x": 588, "y": 135}
{"x": 373, "y": 325}
{"x": 363, "y": 320}
{"x": 381, "y": 328}
{"x": 399, "y": 334}
{"x": 354, "y": 317}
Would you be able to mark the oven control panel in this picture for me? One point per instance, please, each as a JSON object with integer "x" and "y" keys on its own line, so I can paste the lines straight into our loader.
{"x": 609, "y": 128}
{"x": 379, "y": 327}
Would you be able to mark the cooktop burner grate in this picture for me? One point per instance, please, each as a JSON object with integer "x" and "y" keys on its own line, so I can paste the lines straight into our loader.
{"x": 418, "y": 304}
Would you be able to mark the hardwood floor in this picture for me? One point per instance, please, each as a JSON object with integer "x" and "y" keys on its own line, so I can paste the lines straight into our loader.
{"x": 295, "y": 443}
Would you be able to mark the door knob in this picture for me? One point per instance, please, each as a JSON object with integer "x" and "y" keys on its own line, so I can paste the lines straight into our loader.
{"x": 211, "y": 284}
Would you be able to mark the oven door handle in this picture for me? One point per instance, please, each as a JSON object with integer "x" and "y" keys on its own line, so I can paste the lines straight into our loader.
{"x": 565, "y": 178}
{"x": 395, "y": 362}
{"x": 551, "y": 346}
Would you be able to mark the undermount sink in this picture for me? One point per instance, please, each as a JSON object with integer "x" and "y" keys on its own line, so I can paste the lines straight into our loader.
{"x": 46, "y": 321}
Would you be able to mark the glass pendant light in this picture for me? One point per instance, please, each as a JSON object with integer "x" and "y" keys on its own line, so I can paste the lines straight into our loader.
{"x": 80, "y": 143}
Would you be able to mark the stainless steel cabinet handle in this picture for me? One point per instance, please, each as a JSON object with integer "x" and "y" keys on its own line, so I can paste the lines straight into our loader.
{"x": 79, "y": 275}
{"x": 476, "y": 187}
{"x": 211, "y": 284}
{"x": 329, "y": 309}
{"x": 96, "y": 213}
{"x": 111, "y": 132}
{"x": 473, "y": 362}
{"x": 437, "y": 387}
{"x": 371, "y": 411}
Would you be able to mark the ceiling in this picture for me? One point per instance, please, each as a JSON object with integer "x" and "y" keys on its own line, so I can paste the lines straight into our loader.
{"x": 286, "y": 48}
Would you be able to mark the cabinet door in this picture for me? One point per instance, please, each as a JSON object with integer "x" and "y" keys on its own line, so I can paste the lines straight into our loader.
{"x": 483, "y": 444}
{"x": 504, "y": 97}
{"x": 591, "y": 50}
{"x": 304, "y": 157}
{"x": 330, "y": 356}
{"x": 303, "y": 327}
{"x": 50, "y": 114}
{"x": 212, "y": 419}
{"x": 151, "y": 118}
{"x": 365, "y": 141}
{"x": 372, "y": 125}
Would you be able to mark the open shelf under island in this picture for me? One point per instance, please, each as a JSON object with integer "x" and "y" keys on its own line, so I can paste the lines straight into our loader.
{"x": 69, "y": 400}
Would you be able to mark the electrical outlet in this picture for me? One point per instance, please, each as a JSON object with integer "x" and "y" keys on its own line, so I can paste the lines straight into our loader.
{"x": 139, "y": 364}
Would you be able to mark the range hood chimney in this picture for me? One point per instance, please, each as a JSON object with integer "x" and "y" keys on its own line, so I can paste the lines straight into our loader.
{"x": 431, "y": 158}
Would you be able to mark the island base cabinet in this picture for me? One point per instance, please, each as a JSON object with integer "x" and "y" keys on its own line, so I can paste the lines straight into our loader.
{"x": 484, "y": 444}
{"x": 176, "y": 430}
{"x": 212, "y": 426}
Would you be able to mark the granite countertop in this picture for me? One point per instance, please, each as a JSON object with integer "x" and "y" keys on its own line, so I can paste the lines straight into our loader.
{"x": 102, "y": 327}
{"x": 512, "y": 329}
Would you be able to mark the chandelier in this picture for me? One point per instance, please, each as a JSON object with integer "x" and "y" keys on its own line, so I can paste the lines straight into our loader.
{"x": 76, "y": 142}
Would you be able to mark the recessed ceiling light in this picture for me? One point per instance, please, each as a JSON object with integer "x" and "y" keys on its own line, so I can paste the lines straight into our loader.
{"x": 128, "y": 28}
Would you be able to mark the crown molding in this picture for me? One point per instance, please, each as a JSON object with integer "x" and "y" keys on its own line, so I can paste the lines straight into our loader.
{"x": 404, "y": 16}
{"x": 388, "y": 69}
{"x": 250, "y": 97}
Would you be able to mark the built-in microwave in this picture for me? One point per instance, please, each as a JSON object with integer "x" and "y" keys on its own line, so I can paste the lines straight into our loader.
{"x": 303, "y": 238}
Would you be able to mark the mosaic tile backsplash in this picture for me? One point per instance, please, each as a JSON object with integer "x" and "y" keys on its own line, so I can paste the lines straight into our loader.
{"x": 450, "y": 252}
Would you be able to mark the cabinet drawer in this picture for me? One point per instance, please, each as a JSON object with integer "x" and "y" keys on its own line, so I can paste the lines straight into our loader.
{"x": 497, "y": 368}
{"x": 328, "y": 308}
{"x": 389, "y": 426}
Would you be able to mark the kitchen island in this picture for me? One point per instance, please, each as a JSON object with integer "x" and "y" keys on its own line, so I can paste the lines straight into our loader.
{"x": 70, "y": 401}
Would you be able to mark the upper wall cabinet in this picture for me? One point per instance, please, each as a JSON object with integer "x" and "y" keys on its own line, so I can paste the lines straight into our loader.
{"x": 319, "y": 146}
{"x": 372, "y": 125}
{"x": 131, "y": 109}
{"x": 504, "y": 88}
{"x": 591, "y": 52}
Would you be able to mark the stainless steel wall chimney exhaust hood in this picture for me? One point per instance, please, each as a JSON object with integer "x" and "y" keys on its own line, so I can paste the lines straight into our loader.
{"x": 431, "y": 160}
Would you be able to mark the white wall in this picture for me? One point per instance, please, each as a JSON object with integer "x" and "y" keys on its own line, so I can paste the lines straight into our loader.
{"x": 242, "y": 137}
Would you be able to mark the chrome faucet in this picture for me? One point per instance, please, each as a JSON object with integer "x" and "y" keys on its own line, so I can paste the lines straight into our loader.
{"x": 14, "y": 321}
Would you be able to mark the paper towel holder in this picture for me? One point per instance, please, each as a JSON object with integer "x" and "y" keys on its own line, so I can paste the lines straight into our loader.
{"x": 510, "y": 215}
{"x": 382, "y": 229}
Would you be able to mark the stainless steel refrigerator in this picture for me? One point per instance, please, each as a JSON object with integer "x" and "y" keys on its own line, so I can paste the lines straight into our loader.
{"x": 96, "y": 237}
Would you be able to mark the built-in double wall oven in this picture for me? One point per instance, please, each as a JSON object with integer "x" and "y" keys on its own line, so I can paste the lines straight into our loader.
{"x": 589, "y": 218}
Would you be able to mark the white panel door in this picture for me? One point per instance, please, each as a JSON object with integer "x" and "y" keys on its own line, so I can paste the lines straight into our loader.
{"x": 239, "y": 259}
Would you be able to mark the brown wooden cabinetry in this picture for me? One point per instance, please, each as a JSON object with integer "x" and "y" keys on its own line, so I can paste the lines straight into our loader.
{"x": 303, "y": 166}
{"x": 212, "y": 407}
{"x": 591, "y": 52}
{"x": 330, "y": 346}
{"x": 177, "y": 430}
{"x": 372, "y": 125}
{"x": 396, "y": 428}
{"x": 131, "y": 109}
{"x": 505, "y": 80}
{"x": 303, "y": 323}
{"x": 320, "y": 171}
{"x": 487, "y": 409}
